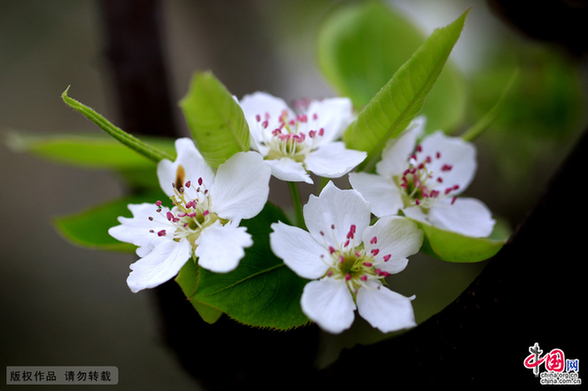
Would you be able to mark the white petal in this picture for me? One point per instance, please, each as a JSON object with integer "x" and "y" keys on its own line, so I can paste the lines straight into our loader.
{"x": 396, "y": 236}
{"x": 467, "y": 216}
{"x": 299, "y": 251}
{"x": 262, "y": 104}
{"x": 221, "y": 247}
{"x": 455, "y": 152}
{"x": 333, "y": 160}
{"x": 160, "y": 265}
{"x": 382, "y": 193}
{"x": 334, "y": 116}
{"x": 396, "y": 153}
{"x": 135, "y": 230}
{"x": 337, "y": 208}
{"x": 329, "y": 303}
{"x": 286, "y": 169}
{"x": 385, "y": 310}
{"x": 241, "y": 187}
{"x": 191, "y": 161}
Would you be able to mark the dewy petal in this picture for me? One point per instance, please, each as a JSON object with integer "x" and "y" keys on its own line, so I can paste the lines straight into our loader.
{"x": 384, "y": 309}
{"x": 333, "y": 160}
{"x": 397, "y": 237}
{"x": 334, "y": 115}
{"x": 288, "y": 170}
{"x": 160, "y": 265}
{"x": 333, "y": 212}
{"x": 382, "y": 193}
{"x": 396, "y": 152}
{"x": 190, "y": 159}
{"x": 455, "y": 152}
{"x": 299, "y": 251}
{"x": 220, "y": 247}
{"x": 241, "y": 187}
{"x": 467, "y": 216}
{"x": 329, "y": 303}
{"x": 135, "y": 230}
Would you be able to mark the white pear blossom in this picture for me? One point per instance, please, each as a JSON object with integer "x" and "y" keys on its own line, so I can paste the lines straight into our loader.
{"x": 295, "y": 143}
{"x": 423, "y": 181}
{"x": 348, "y": 259}
{"x": 204, "y": 220}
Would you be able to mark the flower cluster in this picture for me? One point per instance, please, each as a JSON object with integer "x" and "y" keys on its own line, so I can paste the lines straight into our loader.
{"x": 346, "y": 257}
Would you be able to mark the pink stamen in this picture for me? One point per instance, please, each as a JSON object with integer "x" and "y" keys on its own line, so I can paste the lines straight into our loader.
{"x": 375, "y": 251}
{"x": 387, "y": 257}
{"x": 161, "y": 233}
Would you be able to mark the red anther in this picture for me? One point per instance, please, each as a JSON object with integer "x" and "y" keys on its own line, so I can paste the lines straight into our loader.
{"x": 199, "y": 181}
{"x": 192, "y": 215}
{"x": 161, "y": 233}
{"x": 438, "y": 155}
{"x": 188, "y": 184}
{"x": 363, "y": 278}
{"x": 387, "y": 257}
{"x": 331, "y": 250}
{"x": 419, "y": 148}
{"x": 264, "y": 124}
{"x": 258, "y": 117}
{"x": 384, "y": 274}
{"x": 375, "y": 251}
{"x": 416, "y": 201}
{"x": 205, "y": 213}
{"x": 330, "y": 273}
{"x": 346, "y": 243}
{"x": 158, "y": 203}
{"x": 341, "y": 259}
{"x": 453, "y": 200}
{"x": 312, "y": 133}
{"x": 368, "y": 264}
{"x": 446, "y": 167}
{"x": 374, "y": 240}
{"x": 315, "y": 116}
{"x": 322, "y": 233}
{"x": 413, "y": 157}
{"x": 169, "y": 216}
{"x": 150, "y": 218}
{"x": 439, "y": 179}
{"x": 332, "y": 226}
{"x": 321, "y": 132}
{"x": 352, "y": 228}
{"x": 347, "y": 276}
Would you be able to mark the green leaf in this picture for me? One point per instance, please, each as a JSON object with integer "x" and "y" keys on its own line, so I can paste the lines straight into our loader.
{"x": 87, "y": 151}
{"x": 123, "y": 137}
{"x": 187, "y": 278}
{"x": 486, "y": 121}
{"x": 361, "y": 45}
{"x": 262, "y": 291}
{"x": 90, "y": 228}
{"x": 454, "y": 247}
{"x": 215, "y": 119}
{"x": 402, "y": 98}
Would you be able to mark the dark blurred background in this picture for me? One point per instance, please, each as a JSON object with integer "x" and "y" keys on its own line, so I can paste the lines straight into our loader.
{"x": 62, "y": 305}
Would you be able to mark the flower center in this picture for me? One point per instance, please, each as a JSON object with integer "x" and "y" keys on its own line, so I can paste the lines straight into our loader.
{"x": 422, "y": 186}
{"x": 353, "y": 263}
{"x": 191, "y": 211}
{"x": 293, "y": 138}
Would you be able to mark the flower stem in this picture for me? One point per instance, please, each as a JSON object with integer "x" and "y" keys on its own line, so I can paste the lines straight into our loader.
{"x": 295, "y": 194}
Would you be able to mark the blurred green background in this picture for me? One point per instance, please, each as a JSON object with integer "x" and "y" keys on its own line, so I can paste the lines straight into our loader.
{"x": 64, "y": 305}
